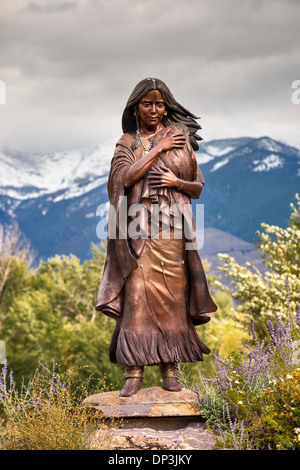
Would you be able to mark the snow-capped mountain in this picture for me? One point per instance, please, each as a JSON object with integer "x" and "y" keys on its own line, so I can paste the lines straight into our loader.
{"x": 71, "y": 173}
{"x": 249, "y": 181}
{"x": 222, "y": 151}
{"x": 54, "y": 198}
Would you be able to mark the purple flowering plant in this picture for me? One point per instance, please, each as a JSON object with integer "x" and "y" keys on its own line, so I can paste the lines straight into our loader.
{"x": 252, "y": 399}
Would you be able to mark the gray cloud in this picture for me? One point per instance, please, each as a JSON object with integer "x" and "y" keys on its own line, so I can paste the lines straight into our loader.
{"x": 70, "y": 66}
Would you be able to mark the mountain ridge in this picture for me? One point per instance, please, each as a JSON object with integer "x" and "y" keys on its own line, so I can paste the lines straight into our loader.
{"x": 54, "y": 198}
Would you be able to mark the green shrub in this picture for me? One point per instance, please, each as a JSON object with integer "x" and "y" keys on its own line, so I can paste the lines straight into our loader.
{"x": 259, "y": 294}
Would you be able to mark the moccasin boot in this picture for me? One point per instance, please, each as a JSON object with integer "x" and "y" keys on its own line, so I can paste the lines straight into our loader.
{"x": 169, "y": 373}
{"x": 133, "y": 380}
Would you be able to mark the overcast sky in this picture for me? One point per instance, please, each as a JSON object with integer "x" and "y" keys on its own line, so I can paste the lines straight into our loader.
{"x": 70, "y": 65}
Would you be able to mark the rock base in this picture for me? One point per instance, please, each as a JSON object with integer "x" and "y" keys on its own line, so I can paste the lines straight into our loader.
{"x": 154, "y": 419}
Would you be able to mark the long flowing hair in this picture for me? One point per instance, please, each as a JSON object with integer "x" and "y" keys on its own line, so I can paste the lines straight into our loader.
{"x": 176, "y": 113}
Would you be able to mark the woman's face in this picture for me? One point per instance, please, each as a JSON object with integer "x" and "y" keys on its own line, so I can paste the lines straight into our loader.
{"x": 151, "y": 110}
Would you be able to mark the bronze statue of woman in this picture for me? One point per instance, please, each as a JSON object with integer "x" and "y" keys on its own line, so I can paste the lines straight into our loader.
{"x": 153, "y": 285}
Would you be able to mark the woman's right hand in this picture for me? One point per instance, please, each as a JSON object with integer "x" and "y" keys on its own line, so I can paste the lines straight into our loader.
{"x": 171, "y": 141}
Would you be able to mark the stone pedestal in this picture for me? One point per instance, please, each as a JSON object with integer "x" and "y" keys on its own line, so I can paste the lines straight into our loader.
{"x": 154, "y": 419}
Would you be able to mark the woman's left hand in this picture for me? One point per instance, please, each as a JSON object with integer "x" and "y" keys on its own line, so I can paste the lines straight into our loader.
{"x": 163, "y": 178}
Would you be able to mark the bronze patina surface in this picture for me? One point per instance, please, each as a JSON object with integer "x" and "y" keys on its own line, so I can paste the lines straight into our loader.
{"x": 153, "y": 283}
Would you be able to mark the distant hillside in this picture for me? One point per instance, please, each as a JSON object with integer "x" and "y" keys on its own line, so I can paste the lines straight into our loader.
{"x": 216, "y": 241}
